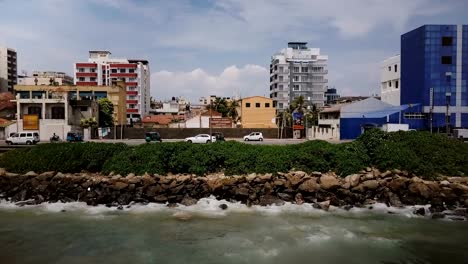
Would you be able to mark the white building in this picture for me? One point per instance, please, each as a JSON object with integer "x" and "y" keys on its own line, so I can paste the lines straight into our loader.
{"x": 45, "y": 78}
{"x": 295, "y": 71}
{"x": 390, "y": 84}
{"x": 8, "y": 69}
{"x": 102, "y": 69}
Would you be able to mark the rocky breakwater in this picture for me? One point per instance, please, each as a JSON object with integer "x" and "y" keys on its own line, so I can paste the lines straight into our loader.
{"x": 395, "y": 188}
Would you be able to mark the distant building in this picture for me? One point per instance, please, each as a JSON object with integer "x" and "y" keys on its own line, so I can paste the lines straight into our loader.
{"x": 298, "y": 71}
{"x": 45, "y": 78}
{"x": 102, "y": 69}
{"x": 212, "y": 98}
{"x": 202, "y": 120}
{"x": 390, "y": 84}
{"x": 434, "y": 74}
{"x": 177, "y": 106}
{"x": 257, "y": 112}
{"x": 8, "y": 69}
{"x": 331, "y": 96}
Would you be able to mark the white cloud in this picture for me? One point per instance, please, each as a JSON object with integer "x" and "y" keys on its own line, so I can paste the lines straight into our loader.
{"x": 232, "y": 81}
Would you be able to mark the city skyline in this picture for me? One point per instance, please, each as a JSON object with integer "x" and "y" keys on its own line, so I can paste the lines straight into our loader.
{"x": 218, "y": 47}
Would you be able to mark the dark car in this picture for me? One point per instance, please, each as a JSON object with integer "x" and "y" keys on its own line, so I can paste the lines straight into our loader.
{"x": 152, "y": 136}
{"x": 218, "y": 136}
{"x": 74, "y": 137}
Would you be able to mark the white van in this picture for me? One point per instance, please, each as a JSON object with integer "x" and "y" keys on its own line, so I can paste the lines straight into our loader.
{"x": 28, "y": 138}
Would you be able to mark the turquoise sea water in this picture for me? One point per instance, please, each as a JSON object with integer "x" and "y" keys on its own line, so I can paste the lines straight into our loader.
{"x": 206, "y": 234}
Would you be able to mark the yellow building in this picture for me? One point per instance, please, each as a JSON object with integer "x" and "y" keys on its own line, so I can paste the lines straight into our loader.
{"x": 116, "y": 94}
{"x": 257, "y": 112}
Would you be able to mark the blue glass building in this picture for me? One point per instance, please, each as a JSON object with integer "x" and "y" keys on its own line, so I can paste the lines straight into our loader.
{"x": 434, "y": 74}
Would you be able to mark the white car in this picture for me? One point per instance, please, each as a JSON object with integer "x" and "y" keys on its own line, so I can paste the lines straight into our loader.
{"x": 201, "y": 138}
{"x": 254, "y": 136}
{"x": 28, "y": 138}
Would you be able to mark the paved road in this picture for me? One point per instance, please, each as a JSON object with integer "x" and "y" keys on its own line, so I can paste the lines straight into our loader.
{"x": 134, "y": 142}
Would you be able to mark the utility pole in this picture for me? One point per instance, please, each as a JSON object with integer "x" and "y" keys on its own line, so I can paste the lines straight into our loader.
{"x": 431, "y": 97}
{"x": 211, "y": 117}
{"x": 447, "y": 115}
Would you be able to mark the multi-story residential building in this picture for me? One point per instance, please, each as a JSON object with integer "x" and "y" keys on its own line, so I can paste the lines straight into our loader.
{"x": 295, "y": 71}
{"x": 8, "y": 69}
{"x": 390, "y": 84}
{"x": 208, "y": 100}
{"x": 331, "y": 96}
{"x": 434, "y": 75}
{"x": 45, "y": 78}
{"x": 60, "y": 108}
{"x": 102, "y": 69}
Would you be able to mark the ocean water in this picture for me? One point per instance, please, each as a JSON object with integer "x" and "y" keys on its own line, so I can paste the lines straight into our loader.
{"x": 203, "y": 233}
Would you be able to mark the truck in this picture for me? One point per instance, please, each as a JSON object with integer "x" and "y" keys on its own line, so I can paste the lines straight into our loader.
{"x": 395, "y": 127}
{"x": 461, "y": 134}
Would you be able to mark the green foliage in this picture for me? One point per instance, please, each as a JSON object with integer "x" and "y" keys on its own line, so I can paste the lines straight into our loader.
{"x": 63, "y": 157}
{"x": 88, "y": 122}
{"x": 106, "y": 111}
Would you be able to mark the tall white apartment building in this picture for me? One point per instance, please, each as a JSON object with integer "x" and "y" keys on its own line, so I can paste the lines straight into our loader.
{"x": 102, "y": 69}
{"x": 8, "y": 69}
{"x": 390, "y": 84}
{"x": 295, "y": 71}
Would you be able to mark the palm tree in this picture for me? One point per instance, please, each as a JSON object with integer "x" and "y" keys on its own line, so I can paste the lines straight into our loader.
{"x": 232, "y": 111}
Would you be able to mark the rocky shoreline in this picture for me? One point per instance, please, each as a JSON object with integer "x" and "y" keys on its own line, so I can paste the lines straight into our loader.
{"x": 394, "y": 188}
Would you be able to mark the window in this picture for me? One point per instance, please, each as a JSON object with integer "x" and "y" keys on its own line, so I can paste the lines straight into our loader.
{"x": 396, "y": 84}
{"x": 257, "y": 105}
{"x": 389, "y": 68}
{"x": 29, "y": 135}
{"x": 114, "y": 70}
{"x": 281, "y": 87}
{"x": 81, "y": 79}
{"x": 92, "y": 70}
{"x": 390, "y": 84}
{"x": 415, "y": 116}
{"x": 93, "y": 79}
{"x": 296, "y": 87}
{"x": 58, "y": 112}
{"x": 305, "y": 69}
{"x": 295, "y": 78}
{"x": 23, "y": 135}
{"x": 247, "y": 105}
{"x": 80, "y": 70}
{"x": 131, "y": 70}
{"x": 447, "y": 41}
{"x": 304, "y": 78}
{"x": 281, "y": 78}
{"x": 446, "y": 60}
{"x": 122, "y": 70}
{"x": 83, "y": 108}
{"x": 396, "y": 67}
{"x": 267, "y": 105}
{"x": 296, "y": 69}
{"x": 280, "y": 105}
{"x": 281, "y": 69}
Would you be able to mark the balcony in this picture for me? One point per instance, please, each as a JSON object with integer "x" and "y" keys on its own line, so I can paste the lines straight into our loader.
{"x": 86, "y": 74}
{"x": 124, "y": 65}
{"x": 131, "y": 83}
{"x": 86, "y": 83}
{"x": 132, "y": 101}
{"x": 132, "y": 92}
{"x": 132, "y": 110}
{"x": 85, "y": 65}
{"x": 127, "y": 75}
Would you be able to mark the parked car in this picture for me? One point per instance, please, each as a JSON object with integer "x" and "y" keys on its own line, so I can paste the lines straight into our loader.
{"x": 74, "y": 137}
{"x": 201, "y": 138}
{"x": 28, "y": 138}
{"x": 254, "y": 136}
{"x": 218, "y": 136}
{"x": 153, "y": 136}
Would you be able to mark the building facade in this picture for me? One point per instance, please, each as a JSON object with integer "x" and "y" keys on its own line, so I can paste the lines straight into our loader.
{"x": 331, "y": 96}
{"x": 434, "y": 73}
{"x": 102, "y": 69}
{"x": 8, "y": 69}
{"x": 257, "y": 112}
{"x": 390, "y": 83}
{"x": 45, "y": 78}
{"x": 298, "y": 71}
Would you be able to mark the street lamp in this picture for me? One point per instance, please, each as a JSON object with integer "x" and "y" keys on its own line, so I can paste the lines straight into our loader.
{"x": 448, "y": 76}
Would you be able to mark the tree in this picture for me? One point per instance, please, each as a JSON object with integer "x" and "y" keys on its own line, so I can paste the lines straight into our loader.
{"x": 88, "y": 122}
{"x": 219, "y": 105}
{"x": 232, "y": 111}
{"x": 106, "y": 112}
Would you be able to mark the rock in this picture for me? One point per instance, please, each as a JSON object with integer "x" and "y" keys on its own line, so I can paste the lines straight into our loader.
{"x": 353, "y": 180}
{"x": 251, "y": 177}
{"x": 63, "y": 210}
{"x": 27, "y": 202}
{"x": 120, "y": 185}
{"x": 285, "y": 197}
{"x": 398, "y": 184}
{"x": 310, "y": 186}
{"x": 160, "y": 198}
{"x": 459, "y": 189}
{"x": 10, "y": 174}
{"x": 266, "y": 177}
{"x": 184, "y": 216}
{"x": 188, "y": 201}
{"x": 324, "y": 205}
{"x": 370, "y": 185}
{"x": 328, "y": 181}
{"x": 130, "y": 175}
{"x": 2, "y": 172}
{"x": 420, "y": 211}
{"x": 419, "y": 188}
{"x": 461, "y": 212}
{"x": 295, "y": 177}
{"x": 214, "y": 184}
{"x": 46, "y": 175}
{"x": 466, "y": 202}
{"x": 348, "y": 207}
{"x": 394, "y": 200}
{"x": 279, "y": 182}
{"x": 120, "y": 207}
{"x": 458, "y": 179}
{"x": 30, "y": 174}
{"x": 368, "y": 169}
{"x": 154, "y": 190}
{"x": 386, "y": 174}
{"x": 172, "y": 205}
{"x": 241, "y": 191}
{"x": 299, "y": 199}
{"x": 368, "y": 176}
{"x": 183, "y": 178}
{"x": 438, "y": 216}
{"x": 223, "y": 206}
{"x": 269, "y": 200}
{"x": 396, "y": 171}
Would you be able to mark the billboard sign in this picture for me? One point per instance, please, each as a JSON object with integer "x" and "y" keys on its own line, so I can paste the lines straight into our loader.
{"x": 221, "y": 122}
{"x": 298, "y": 120}
{"x": 30, "y": 122}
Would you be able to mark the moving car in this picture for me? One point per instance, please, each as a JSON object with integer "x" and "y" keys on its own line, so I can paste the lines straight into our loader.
{"x": 201, "y": 138}
{"x": 74, "y": 137}
{"x": 153, "y": 136}
{"x": 28, "y": 138}
{"x": 254, "y": 136}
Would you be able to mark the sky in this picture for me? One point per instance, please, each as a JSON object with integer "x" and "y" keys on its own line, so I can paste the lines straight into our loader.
{"x": 223, "y": 47}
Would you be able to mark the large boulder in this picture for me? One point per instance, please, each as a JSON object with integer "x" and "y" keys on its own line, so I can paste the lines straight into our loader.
{"x": 353, "y": 180}
{"x": 458, "y": 180}
{"x": 420, "y": 188}
{"x": 269, "y": 200}
{"x": 371, "y": 184}
{"x": 299, "y": 199}
{"x": 310, "y": 186}
{"x": 120, "y": 185}
{"x": 398, "y": 184}
{"x": 188, "y": 201}
{"x": 328, "y": 181}
{"x": 295, "y": 177}
{"x": 324, "y": 205}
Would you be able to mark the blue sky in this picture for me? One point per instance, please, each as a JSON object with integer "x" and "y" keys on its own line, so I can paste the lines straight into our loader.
{"x": 222, "y": 47}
